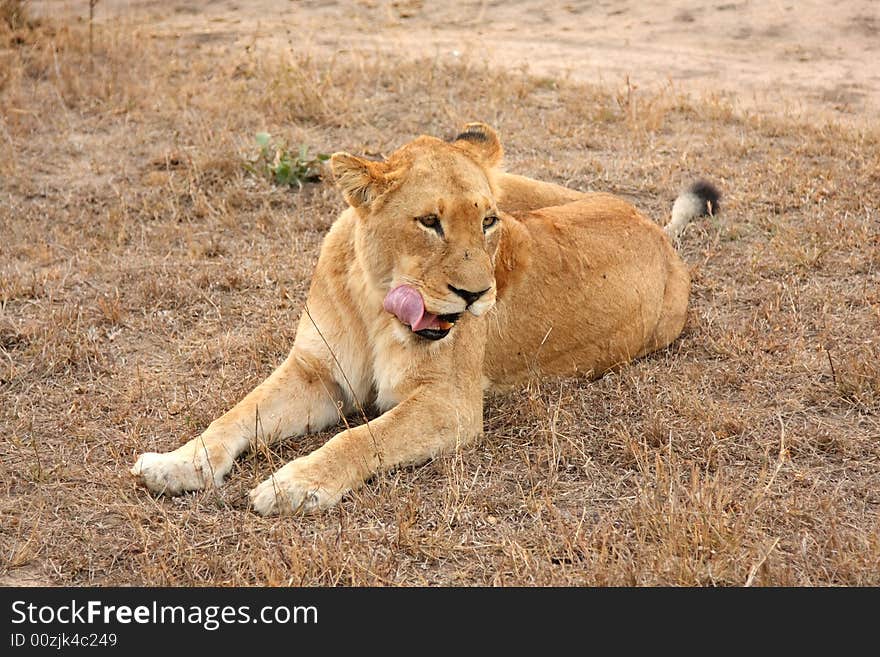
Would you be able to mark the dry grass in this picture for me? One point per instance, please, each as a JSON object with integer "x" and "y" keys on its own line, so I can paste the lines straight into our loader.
{"x": 147, "y": 282}
{"x": 14, "y": 14}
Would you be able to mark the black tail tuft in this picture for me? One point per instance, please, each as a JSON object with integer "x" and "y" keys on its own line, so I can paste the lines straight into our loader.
{"x": 708, "y": 195}
{"x": 472, "y": 134}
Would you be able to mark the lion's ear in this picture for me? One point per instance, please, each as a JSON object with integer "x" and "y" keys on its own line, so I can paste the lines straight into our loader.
{"x": 360, "y": 181}
{"x": 482, "y": 143}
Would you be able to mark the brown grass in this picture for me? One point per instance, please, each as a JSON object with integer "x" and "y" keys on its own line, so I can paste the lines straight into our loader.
{"x": 14, "y": 14}
{"x": 147, "y": 282}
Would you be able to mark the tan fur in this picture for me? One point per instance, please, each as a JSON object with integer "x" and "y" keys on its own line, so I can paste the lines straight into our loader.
{"x": 576, "y": 284}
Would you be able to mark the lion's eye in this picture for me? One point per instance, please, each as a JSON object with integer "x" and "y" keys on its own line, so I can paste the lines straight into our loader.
{"x": 431, "y": 221}
{"x": 489, "y": 221}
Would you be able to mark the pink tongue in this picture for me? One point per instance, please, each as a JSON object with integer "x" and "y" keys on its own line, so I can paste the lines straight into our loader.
{"x": 405, "y": 303}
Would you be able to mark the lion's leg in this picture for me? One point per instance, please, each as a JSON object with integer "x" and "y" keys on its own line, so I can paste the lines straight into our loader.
{"x": 519, "y": 194}
{"x": 300, "y": 396}
{"x": 673, "y": 312}
{"x": 428, "y": 423}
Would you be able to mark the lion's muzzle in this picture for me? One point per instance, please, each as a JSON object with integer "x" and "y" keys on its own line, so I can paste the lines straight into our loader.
{"x": 468, "y": 296}
{"x": 405, "y": 303}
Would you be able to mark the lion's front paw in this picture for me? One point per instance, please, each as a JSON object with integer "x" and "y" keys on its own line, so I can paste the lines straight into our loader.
{"x": 298, "y": 487}
{"x": 173, "y": 473}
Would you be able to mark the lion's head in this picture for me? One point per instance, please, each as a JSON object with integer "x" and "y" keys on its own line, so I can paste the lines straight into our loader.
{"x": 428, "y": 226}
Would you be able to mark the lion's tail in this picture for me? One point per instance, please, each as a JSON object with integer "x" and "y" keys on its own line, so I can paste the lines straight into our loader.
{"x": 698, "y": 200}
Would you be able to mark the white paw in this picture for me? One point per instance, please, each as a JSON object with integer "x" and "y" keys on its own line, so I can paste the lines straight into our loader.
{"x": 173, "y": 473}
{"x": 298, "y": 487}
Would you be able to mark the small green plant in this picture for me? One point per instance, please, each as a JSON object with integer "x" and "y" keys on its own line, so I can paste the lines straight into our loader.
{"x": 283, "y": 167}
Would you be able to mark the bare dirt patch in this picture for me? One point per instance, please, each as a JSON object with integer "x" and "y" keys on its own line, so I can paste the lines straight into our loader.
{"x": 776, "y": 57}
{"x": 148, "y": 281}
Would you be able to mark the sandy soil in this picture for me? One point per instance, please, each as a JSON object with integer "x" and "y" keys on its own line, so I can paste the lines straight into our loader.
{"x": 794, "y": 57}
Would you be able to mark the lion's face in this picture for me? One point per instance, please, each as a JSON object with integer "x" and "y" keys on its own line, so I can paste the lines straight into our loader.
{"x": 429, "y": 227}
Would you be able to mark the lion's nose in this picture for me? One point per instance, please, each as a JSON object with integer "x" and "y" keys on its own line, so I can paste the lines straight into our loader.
{"x": 467, "y": 295}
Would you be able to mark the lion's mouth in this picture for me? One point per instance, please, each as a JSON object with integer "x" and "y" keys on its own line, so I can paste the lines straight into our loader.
{"x": 406, "y": 303}
{"x": 444, "y": 325}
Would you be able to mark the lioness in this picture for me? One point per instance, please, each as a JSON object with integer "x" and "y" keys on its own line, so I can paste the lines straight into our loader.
{"x": 444, "y": 277}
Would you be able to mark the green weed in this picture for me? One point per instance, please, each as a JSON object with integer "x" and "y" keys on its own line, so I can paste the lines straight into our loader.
{"x": 284, "y": 167}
